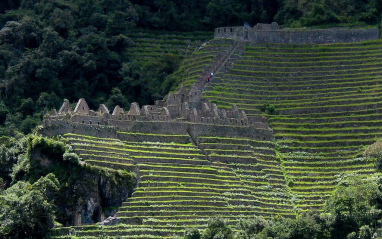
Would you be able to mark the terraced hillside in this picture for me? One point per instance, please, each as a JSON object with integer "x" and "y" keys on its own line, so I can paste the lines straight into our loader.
{"x": 179, "y": 186}
{"x": 203, "y": 61}
{"x": 327, "y": 104}
{"x": 327, "y": 100}
{"x": 152, "y": 45}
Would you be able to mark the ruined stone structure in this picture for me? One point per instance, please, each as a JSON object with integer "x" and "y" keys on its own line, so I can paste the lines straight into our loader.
{"x": 173, "y": 115}
{"x": 272, "y": 33}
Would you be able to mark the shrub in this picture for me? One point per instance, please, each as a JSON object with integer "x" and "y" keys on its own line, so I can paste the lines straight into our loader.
{"x": 217, "y": 229}
{"x": 252, "y": 227}
{"x": 26, "y": 210}
{"x": 71, "y": 157}
{"x": 192, "y": 233}
{"x": 365, "y": 232}
{"x": 353, "y": 205}
{"x": 268, "y": 108}
{"x": 375, "y": 151}
{"x": 352, "y": 235}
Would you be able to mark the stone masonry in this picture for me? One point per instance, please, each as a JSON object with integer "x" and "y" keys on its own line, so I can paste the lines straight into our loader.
{"x": 272, "y": 33}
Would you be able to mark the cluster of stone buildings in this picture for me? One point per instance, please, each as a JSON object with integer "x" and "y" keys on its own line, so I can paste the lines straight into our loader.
{"x": 176, "y": 107}
{"x": 273, "y": 33}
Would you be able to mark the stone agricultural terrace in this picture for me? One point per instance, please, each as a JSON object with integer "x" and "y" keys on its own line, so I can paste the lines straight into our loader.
{"x": 271, "y": 134}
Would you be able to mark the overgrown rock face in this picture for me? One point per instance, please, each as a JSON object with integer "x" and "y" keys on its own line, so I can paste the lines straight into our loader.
{"x": 93, "y": 196}
{"x": 87, "y": 194}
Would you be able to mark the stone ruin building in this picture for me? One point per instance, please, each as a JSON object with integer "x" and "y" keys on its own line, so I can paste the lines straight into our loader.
{"x": 273, "y": 33}
{"x": 181, "y": 107}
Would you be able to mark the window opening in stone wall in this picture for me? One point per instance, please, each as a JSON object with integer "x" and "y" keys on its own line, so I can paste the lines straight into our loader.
{"x": 83, "y": 108}
{"x": 218, "y": 30}
{"x": 225, "y": 30}
{"x": 98, "y": 123}
{"x": 231, "y": 29}
{"x": 90, "y": 122}
{"x": 83, "y": 121}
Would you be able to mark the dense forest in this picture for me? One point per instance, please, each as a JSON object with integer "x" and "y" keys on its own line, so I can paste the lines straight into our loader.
{"x": 52, "y": 50}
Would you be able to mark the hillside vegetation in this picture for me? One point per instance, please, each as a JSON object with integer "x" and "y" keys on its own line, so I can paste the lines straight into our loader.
{"x": 52, "y": 50}
{"x": 55, "y": 50}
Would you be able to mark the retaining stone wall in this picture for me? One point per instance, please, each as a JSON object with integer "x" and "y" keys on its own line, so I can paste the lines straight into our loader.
{"x": 297, "y": 36}
{"x": 60, "y": 127}
{"x": 197, "y": 130}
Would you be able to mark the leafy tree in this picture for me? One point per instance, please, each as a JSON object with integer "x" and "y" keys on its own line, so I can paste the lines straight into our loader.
{"x": 352, "y": 235}
{"x": 251, "y": 227}
{"x": 2, "y": 185}
{"x": 28, "y": 124}
{"x": 27, "y": 106}
{"x": 3, "y": 112}
{"x": 354, "y": 204}
{"x": 47, "y": 101}
{"x": 62, "y": 21}
{"x": 26, "y": 210}
{"x": 192, "y": 234}
{"x": 374, "y": 151}
{"x": 365, "y": 232}
{"x": 217, "y": 229}
{"x": 116, "y": 98}
{"x": 378, "y": 8}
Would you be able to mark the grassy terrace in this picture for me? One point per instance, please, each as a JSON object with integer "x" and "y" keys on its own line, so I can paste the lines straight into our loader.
{"x": 327, "y": 100}
{"x": 198, "y": 64}
{"x": 181, "y": 184}
{"x": 176, "y": 193}
{"x": 152, "y": 45}
{"x": 254, "y": 162}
